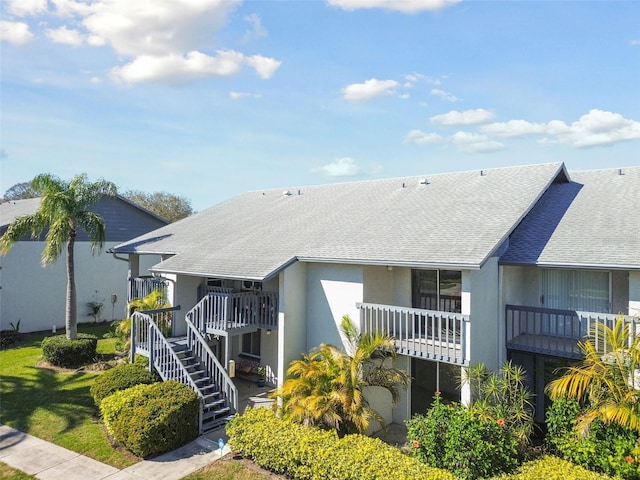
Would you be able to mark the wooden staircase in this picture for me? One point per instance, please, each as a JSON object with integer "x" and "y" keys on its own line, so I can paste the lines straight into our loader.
{"x": 215, "y": 409}
{"x": 190, "y": 361}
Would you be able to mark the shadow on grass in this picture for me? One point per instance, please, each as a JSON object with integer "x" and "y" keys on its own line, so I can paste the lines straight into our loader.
{"x": 66, "y": 396}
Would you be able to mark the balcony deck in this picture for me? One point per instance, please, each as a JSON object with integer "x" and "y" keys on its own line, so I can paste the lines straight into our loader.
{"x": 555, "y": 332}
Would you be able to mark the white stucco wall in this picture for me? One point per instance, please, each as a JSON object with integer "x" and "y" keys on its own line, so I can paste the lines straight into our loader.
{"x": 487, "y": 332}
{"x": 521, "y": 286}
{"x": 36, "y": 295}
{"x": 333, "y": 291}
{"x": 183, "y": 291}
{"x": 292, "y": 320}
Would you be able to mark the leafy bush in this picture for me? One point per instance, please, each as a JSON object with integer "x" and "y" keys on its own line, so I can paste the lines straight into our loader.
{"x": 306, "y": 453}
{"x": 454, "y": 437}
{"x": 607, "y": 448}
{"x": 120, "y": 377}
{"x": 551, "y": 468}
{"x": 9, "y": 337}
{"x": 152, "y": 419}
{"x": 62, "y": 352}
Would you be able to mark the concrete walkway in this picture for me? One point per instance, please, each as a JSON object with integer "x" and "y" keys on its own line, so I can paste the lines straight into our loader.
{"x": 47, "y": 461}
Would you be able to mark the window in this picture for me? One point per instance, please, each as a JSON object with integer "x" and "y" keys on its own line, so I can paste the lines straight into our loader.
{"x": 251, "y": 343}
{"x": 437, "y": 290}
{"x": 576, "y": 290}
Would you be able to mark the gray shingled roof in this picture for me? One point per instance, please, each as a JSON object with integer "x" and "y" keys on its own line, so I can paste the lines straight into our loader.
{"x": 13, "y": 209}
{"x": 594, "y": 221}
{"x": 456, "y": 220}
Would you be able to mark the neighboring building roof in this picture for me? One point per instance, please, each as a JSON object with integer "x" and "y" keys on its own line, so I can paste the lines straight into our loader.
{"x": 591, "y": 222}
{"x": 123, "y": 218}
{"x": 456, "y": 220}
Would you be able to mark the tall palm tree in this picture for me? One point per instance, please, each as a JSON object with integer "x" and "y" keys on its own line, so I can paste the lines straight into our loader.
{"x": 63, "y": 209}
{"x": 326, "y": 386}
{"x": 607, "y": 380}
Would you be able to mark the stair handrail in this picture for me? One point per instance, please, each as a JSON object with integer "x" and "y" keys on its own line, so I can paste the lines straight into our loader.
{"x": 169, "y": 367}
{"x": 199, "y": 346}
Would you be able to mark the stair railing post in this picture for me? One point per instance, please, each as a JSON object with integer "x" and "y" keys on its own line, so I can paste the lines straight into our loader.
{"x": 151, "y": 347}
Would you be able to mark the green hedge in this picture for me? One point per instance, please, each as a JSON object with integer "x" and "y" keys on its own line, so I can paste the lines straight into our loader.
{"x": 62, "y": 352}
{"x": 152, "y": 419}
{"x": 551, "y": 468}
{"x": 305, "y": 453}
{"x": 120, "y": 377}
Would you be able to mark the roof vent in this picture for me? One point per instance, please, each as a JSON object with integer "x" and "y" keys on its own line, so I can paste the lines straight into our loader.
{"x": 424, "y": 181}
{"x": 483, "y": 173}
{"x": 286, "y": 193}
{"x": 620, "y": 171}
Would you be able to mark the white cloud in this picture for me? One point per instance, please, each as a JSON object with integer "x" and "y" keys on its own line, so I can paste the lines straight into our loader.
{"x": 599, "y": 127}
{"x": 16, "y": 33}
{"x": 444, "y": 95}
{"x": 265, "y": 67}
{"x": 634, "y": 43}
{"x": 241, "y": 95}
{"x": 405, "y": 6}
{"x": 341, "y": 167}
{"x": 23, "y": 8}
{"x": 65, "y": 36}
{"x": 257, "y": 30}
{"x": 177, "y": 68}
{"x": 423, "y": 138}
{"x": 467, "y": 117}
{"x": 369, "y": 89}
{"x": 475, "y": 143}
{"x": 595, "y": 128}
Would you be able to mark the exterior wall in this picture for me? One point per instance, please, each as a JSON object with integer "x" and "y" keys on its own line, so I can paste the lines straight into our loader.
{"x": 36, "y": 295}
{"x": 487, "y": 329}
{"x": 634, "y": 293}
{"x": 378, "y": 284}
{"x": 183, "y": 291}
{"x": 333, "y": 291}
{"x": 292, "y": 320}
{"x": 521, "y": 286}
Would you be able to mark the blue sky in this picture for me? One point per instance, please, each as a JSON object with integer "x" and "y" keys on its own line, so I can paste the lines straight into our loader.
{"x": 208, "y": 99}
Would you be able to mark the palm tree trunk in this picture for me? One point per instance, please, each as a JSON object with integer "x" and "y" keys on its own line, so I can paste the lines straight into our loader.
{"x": 71, "y": 314}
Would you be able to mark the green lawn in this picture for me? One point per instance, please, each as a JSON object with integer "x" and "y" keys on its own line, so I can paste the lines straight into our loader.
{"x": 9, "y": 473}
{"x": 56, "y": 405}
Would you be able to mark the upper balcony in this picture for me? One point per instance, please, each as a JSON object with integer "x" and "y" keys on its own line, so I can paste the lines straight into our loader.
{"x": 429, "y": 334}
{"x": 556, "y": 332}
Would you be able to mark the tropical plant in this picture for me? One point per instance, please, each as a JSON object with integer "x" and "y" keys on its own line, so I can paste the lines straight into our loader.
{"x": 502, "y": 395}
{"x": 326, "y": 387}
{"x": 63, "y": 210}
{"x": 606, "y": 381}
{"x": 155, "y": 300}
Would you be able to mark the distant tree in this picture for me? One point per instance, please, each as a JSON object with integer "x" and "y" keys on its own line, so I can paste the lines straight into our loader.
{"x": 168, "y": 206}
{"x": 20, "y": 191}
{"x": 63, "y": 209}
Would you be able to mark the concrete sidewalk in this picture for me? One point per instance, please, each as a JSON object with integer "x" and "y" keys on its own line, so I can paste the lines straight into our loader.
{"x": 47, "y": 461}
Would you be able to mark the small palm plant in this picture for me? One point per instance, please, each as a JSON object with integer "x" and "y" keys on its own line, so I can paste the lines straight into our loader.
{"x": 607, "y": 380}
{"x": 326, "y": 387}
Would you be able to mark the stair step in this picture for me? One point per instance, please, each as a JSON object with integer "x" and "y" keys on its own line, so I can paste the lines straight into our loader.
{"x": 213, "y": 404}
{"x": 214, "y": 414}
{"x": 201, "y": 380}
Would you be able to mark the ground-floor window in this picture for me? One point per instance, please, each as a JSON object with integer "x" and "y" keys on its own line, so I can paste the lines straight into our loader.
{"x": 251, "y": 343}
{"x": 429, "y": 377}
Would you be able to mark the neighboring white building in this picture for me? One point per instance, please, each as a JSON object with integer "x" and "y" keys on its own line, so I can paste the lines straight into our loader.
{"x": 35, "y": 295}
{"x": 460, "y": 268}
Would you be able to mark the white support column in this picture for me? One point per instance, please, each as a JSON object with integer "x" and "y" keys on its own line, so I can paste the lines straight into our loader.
{"x": 634, "y": 293}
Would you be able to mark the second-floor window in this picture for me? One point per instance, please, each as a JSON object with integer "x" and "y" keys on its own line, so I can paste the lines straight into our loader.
{"x": 580, "y": 290}
{"x": 437, "y": 290}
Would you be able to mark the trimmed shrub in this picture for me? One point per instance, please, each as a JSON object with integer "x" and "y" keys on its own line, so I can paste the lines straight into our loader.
{"x": 607, "y": 448}
{"x": 307, "y": 453}
{"x": 62, "y": 352}
{"x": 453, "y": 437}
{"x": 9, "y": 337}
{"x": 120, "y": 377}
{"x": 152, "y": 419}
{"x": 552, "y": 468}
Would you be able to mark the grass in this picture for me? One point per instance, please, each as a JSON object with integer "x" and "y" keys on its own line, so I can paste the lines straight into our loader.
{"x": 10, "y": 473}
{"x": 228, "y": 468}
{"x": 56, "y": 405}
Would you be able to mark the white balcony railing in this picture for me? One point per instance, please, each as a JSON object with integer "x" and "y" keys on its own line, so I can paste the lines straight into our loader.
{"x": 430, "y": 334}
